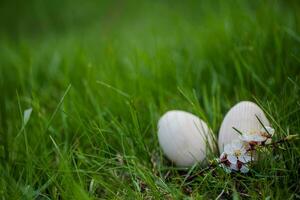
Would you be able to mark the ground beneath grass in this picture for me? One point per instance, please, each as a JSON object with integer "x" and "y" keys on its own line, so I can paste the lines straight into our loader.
{"x": 83, "y": 85}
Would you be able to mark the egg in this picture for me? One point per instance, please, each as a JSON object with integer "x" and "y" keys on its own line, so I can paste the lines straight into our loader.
{"x": 242, "y": 116}
{"x": 184, "y": 138}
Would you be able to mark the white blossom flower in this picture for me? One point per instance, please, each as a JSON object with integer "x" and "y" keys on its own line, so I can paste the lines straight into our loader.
{"x": 235, "y": 157}
{"x": 236, "y": 151}
{"x": 257, "y": 137}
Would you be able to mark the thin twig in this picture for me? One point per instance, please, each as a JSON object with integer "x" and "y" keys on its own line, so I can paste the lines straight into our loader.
{"x": 211, "y": 166}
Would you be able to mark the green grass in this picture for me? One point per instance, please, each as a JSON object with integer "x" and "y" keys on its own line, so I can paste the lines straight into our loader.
{"x": 98, "y": 75}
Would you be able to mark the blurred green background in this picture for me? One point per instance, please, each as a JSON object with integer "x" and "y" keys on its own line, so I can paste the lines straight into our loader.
{"x": 126, "y": 63}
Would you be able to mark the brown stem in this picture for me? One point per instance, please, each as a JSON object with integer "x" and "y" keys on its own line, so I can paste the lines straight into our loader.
{"x": 211, "y": 166}
{"x": 276, "y": 142}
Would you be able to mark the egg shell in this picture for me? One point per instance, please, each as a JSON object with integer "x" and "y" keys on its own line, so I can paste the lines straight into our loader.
{"x": 242, "y": 116}
{"x": 183, "y": 137}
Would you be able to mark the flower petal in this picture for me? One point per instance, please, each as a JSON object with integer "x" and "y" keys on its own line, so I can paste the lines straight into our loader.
{"x": 223, "y": 156}
{"x": 270, "y": 130}
{"x": 245, "y": 158}
{"x": 248, "y": 138}
{"x": 228, "y": 149}
{"x": 232, "y": 159}
{"x": 240, "y": 145}
{"x": 237, "y": 144}
{"x": 244, "y": 169}
{"x": 243, "y": 150}
{"x": 234, "y": 167}
{"x": 259, "y": 138}
{"x": 269, "y": 141}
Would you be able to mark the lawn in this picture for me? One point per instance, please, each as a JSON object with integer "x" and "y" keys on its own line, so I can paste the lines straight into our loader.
{"x": 97, "y": 75}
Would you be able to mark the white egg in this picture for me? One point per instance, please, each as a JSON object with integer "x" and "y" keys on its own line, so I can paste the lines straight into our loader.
{"x": 242, "y": 116}
{"x": 183, "y": 137}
